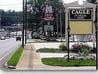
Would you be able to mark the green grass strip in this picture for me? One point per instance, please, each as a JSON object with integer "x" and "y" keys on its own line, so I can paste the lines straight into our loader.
{"x": 63, "y": 63}
{"x": 50, "y": 50}
{"x": 15, "y": 57}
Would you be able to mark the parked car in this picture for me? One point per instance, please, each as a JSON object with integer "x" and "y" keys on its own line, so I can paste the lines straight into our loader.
{"x": 35, "y": 35}
{"x": 18, "y": 38}
{"x": 7, "y": 37}
{"x": 2, "y": 38}
{"x": 51, "y": 39}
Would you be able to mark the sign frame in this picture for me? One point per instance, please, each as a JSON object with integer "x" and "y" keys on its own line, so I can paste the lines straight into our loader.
{"x": 81, "y": 19}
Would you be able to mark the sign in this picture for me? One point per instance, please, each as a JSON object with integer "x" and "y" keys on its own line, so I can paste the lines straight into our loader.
{"x": 48, "y": 28}
{"x": 81, "y": 27}
{"x": 80, "y": 14}
{"x": 81, "y": 21}
{"x": 48, "y": 12}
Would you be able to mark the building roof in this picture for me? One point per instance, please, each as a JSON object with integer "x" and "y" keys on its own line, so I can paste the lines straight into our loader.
{"x": 85, "y": 4}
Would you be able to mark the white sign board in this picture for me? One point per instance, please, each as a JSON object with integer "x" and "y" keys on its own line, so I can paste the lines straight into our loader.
{"x": 48, "y": 28}
{"x": 48, "y": 12}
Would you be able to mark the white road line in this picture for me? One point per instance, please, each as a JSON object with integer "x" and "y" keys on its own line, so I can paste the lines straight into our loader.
{"x": 9, "y": 52}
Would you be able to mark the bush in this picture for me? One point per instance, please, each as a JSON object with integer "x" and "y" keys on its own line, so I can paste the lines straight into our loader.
{"x": 93, "y": 50}
{"x": 62, "y": 47}
{"x": 84, "y": 52}
{"x": 75, "y": 48}
{"x": 80, "y": 48}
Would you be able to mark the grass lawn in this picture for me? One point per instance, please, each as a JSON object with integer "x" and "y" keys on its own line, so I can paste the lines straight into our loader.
{"x": 15, "y": 57}
{"x": 63, "y": 63}
{"x": 50, "y": 50}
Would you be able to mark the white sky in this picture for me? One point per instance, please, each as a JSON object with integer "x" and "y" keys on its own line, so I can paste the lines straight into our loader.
{"x": 11, "y": 4}
{"x": 17, "y": 4}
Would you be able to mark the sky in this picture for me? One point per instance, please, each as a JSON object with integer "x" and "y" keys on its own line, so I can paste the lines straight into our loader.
{"x": 17, "y": 4}
{"x": 11, "y": 4}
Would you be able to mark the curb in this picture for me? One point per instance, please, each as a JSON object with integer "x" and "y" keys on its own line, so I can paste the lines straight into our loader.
{"x": 9, "y": 67}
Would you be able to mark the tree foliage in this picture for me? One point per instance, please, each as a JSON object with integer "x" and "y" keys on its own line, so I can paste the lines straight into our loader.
{"x": 10, "y": 17}
{"x": 92, "y": 1}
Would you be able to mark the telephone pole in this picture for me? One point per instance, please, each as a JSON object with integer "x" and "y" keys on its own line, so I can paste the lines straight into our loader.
{"x": 0, "y": 20}
{"x": 61, "y": 24}
{"x": 23, "y": 25}
{"x": 25, "y": 21}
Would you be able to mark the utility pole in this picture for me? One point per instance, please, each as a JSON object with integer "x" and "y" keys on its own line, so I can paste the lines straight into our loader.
{"x": 61, "y": 25}
{"x": 23, "y": 26}
{"x": 25, "y": 21}
{"x": 0, "y": 19}
{"x": 97, "y": 36}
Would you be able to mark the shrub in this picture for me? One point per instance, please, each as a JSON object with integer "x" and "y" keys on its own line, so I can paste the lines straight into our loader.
{"x": 80, "y": 48}
{"x": 84, "y": 52}
{"x": 76, "y": 48}
{"x": 62, "y": 47}
{"x": 93, "y": 50}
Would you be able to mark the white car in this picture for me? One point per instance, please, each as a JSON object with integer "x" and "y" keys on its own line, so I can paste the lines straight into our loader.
{"x": 2, "y": 38}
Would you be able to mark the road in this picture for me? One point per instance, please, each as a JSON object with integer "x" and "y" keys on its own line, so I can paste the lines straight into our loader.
{"x": 7, "y": 48}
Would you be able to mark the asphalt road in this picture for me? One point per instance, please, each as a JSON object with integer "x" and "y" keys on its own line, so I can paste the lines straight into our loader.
{"x": 7, "y": 48}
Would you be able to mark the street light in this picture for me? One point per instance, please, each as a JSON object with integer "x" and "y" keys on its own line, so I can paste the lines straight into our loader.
{"x": 97, "y": 35}
{"x": 68, "y": 30}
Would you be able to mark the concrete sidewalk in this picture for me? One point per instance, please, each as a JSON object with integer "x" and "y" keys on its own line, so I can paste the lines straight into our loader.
{"x": 30, "y": 60}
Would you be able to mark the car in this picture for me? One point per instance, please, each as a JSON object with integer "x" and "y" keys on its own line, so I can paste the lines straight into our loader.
{"x": 18, "y": 38}
{"x": 2, "y": 38}
{"x": 51, "y": 39}
{"x": 7, "y": 37}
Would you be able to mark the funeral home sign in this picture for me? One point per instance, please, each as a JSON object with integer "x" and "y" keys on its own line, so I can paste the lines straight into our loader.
{"x": 80, "y": 14}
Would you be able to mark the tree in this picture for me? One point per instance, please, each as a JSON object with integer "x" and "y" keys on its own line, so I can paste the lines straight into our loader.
{"x": 92, "y": 1}
{"x": 10, "y": 17}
